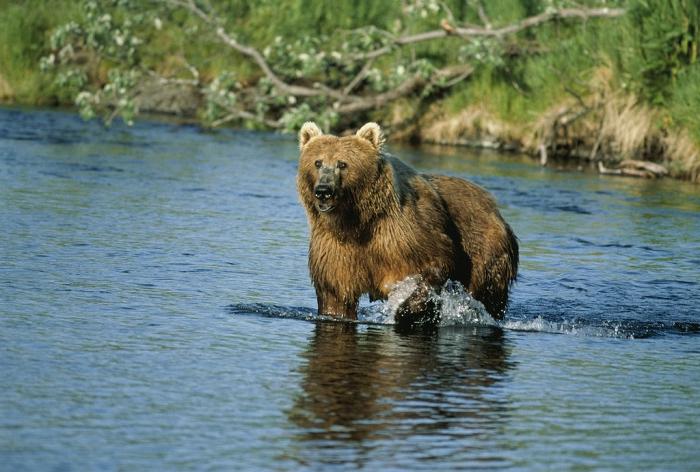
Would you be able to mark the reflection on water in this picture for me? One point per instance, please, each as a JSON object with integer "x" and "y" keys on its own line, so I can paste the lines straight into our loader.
{"x": 370, "y": 387}
{"x": 156, "y": 314}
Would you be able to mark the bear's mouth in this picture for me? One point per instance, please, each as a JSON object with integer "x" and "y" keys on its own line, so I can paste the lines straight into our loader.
{"x": 325, "y": 207}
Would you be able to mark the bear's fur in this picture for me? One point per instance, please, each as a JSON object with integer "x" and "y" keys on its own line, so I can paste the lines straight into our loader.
{"x": 375, "y": 221}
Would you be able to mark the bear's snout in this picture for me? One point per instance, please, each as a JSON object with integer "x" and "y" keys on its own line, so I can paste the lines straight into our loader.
{"x": 325, "y": 189}
{"x": 324, "y": 192}
{"x": 326, "y": 184}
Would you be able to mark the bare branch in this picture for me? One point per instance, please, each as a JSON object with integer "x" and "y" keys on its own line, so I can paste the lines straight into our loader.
{"x": 402, "y": 41}
{"x": 193, "y": 70}
{"x": 347, "y": 103}
{"x": 474, "y": 31}
{"x": 448, "y": 12}
{"x": 358, "y": 78}
{"x": 454, "y": 81}
{"x": 406, "y": 88}
{"x": 580, "y": 13}
{"x": 482, "y": 15}
{"x": 255, "y": 55}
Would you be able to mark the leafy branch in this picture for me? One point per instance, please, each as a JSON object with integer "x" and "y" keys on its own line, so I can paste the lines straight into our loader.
{"x": 293, "y": 86}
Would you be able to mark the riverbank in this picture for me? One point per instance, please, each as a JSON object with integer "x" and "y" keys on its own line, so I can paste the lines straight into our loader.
{"x": 656, "y": 154}
{"x": 614, "y": 132}
{"x": 610, "y": 83}
{"x": 609, "y": 127}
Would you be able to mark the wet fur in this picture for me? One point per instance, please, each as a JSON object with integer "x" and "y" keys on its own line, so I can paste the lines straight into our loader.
{"x": 391, "y": 223}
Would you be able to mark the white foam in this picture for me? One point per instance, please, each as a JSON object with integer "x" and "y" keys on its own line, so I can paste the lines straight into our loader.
{"x": 459, "y": 308}
{"x": 570, "y": 327}
{"x": 383, "y": 312}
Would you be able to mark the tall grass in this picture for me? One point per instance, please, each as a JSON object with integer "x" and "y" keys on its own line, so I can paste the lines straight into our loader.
{"x": 652, "y": 84}
{"x": 651, "y": 55}
{"x": 25, "y": 27}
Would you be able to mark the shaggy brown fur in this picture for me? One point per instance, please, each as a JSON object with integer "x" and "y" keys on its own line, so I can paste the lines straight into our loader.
{"x": 375, "y": 221}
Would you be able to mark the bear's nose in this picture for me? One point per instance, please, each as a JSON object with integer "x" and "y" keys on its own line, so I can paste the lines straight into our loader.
{"x": 323, "y": 191}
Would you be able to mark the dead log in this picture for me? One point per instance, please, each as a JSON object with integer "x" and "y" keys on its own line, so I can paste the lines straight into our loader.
{"x": 634, "y": 168}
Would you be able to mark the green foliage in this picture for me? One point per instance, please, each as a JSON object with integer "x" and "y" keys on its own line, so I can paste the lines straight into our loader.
{"x": 24, "y": 27}
{"x": 652, "y": 51}
{"x": 220, "y": 95}
{"x": 95, "y": 53}
{"x": 684, "y": 102}
{"x": 319, "y": 18}
{"x": 297, "y": 116}
{"x": 666, "y": 36}
{"x": 109, "y": 32}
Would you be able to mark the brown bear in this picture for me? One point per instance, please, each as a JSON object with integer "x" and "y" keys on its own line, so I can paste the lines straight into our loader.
{"x": 375, "y": 221}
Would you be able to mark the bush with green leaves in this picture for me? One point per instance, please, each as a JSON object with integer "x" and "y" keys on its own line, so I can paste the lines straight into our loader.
{"x": 108, "y": 49}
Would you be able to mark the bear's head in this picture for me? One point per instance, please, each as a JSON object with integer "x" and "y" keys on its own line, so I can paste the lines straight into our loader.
{"x": 335, "y": 171}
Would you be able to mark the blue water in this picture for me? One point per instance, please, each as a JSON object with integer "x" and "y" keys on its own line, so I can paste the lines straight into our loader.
{"x": 156, "y": 314}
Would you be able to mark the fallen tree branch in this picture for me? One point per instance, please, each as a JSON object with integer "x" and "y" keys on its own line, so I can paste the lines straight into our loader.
{"x": 446, "y": 30}
{"x": 489, "y": 31}
{"x": 634, "y": 168}
{"x": 482, "y": 15}
{"x": 344, "y": 101}
{"x": 563, "y": 13}
{"x": 255, "y": 55}
{"x": 358, "y": 78}
{"x": 406, "y": 88}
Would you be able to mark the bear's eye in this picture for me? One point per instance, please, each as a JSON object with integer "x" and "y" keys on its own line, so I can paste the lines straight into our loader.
{"x": 318, "y": 164}
{"x": 342, "y": 165}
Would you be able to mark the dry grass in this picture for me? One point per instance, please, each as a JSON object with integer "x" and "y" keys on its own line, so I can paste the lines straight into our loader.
{"x": 629, "y": 129}
{"x": 604, "y": 125}
{"x": 401, "y": 120}
{"x": 610, "y": 125}
{"x": 683, "y": 156}
{"x": 474, "y": 126}
{"x": 607, "y": 125}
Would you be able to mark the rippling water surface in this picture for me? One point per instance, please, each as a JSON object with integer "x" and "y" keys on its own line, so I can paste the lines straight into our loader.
{"x": 156, "y": 313}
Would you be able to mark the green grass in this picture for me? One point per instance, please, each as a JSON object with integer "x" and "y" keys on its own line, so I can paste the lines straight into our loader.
{"x": 652, "y": 51}
{"x": 684, "y": 103}
{"x": 25, "y": 27}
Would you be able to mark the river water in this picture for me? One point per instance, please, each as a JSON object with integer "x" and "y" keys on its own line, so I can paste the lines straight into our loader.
{"x": 156, "y": 314}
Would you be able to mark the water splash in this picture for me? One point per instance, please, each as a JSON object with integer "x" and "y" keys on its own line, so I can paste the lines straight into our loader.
{"x": 575, "y": 327}
{"x": 459, "y": 308}
{"x": 383, "y": 312}
{"x": 606, "y": 328}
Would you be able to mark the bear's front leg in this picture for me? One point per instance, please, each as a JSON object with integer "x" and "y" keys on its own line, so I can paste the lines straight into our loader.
{"x": 332, "y": 305}
{"x": 419, "y": 309}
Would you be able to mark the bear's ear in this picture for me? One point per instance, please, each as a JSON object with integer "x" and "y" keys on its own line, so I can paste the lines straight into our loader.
{"x": 308, "y": 130}
{"x": 372, "y": 133}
